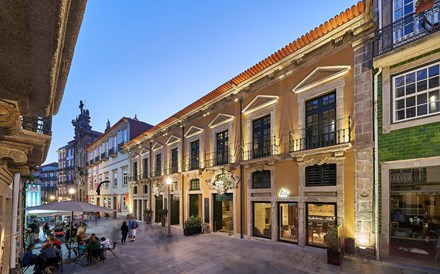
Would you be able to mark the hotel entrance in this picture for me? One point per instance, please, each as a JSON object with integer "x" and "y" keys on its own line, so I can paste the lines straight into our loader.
{"x": 223, "y": 212}
{"x": 159, "y": 205}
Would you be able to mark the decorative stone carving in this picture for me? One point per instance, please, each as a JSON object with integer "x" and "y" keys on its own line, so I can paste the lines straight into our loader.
{"x": 18, "y": 157}
{"x": 222, "y": 181}
{"x": 9, "y": 118}
{"x": 157, "y": 189}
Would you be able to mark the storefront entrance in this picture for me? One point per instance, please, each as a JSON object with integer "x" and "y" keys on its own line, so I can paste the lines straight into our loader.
{"x": 175, "y": 205}
{"x": 415, "y": 213}
{"x": 159, "y": 205}
{"x": 195, "y": 205}
{"x": 320, "y": 217}
{"x": 288, "y": 222}
{"x": 223, "y": 212}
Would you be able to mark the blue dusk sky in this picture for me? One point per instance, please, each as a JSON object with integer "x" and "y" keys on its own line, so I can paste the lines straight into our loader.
{"x": 153, "y": 58}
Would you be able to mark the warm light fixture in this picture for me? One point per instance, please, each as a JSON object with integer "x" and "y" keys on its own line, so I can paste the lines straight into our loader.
{"x": 168, "y": 181}
{"x": 284, "y": 193}
{"x": 72, "y": 190}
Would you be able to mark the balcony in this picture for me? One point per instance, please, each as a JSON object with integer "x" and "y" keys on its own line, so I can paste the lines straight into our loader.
{"x": 406, "y": 30}
{"x": 97, "y": 159}
{"x": 112, "y": 152}
{"x": 145, "y": 175}
{"x": 262, "y": 149}
{"x": 133, "y": 177}
{"x": 120, "y": 145}
{"x": 192, "y": 163}
{"x": 104, "y": 156}
{"x": 156, "y": 172}
{"x": 219, "y": 158}
{"x": 41, "y": 125}
{"x": 173, "y": 167}
{"x": 330, "y": 134}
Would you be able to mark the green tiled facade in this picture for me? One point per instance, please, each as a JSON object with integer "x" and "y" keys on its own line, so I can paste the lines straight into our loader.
{"x": 409, "y": 143}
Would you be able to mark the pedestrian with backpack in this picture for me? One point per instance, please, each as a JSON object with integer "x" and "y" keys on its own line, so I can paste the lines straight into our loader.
{"x": 133, "y": 228}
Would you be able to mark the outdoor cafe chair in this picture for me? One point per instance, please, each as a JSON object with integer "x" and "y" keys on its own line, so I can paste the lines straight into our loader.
{"x": 111, "y": 249}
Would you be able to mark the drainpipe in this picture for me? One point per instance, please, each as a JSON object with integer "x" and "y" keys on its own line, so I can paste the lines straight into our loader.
{"x": 150, "y": 160}
{"x": 15, "y": 197}
{"x": 376, "y": 163}
{"x": 241, "y": 168}
{"x": 182, "y": 177}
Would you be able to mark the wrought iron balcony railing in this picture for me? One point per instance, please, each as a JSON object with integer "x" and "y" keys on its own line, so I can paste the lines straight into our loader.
{"x": 104, "y": 156}
{"x": 112, "y": 152}
{"x": 41, "y": 125}
{"x": 97, "y": 159}
{"x": 156, "y": 172}
{"x": 261, "y": 149}
{"x": 192, "y": 163}
{"x": 406, "y": 30}
{"x": 120, "y": 145}
{"x": 218, "y": 158}
{"x": 145, "y": 175}
{"x": 333, "y": 133}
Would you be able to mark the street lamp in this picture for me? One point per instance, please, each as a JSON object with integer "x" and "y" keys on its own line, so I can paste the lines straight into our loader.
{"x": 71, "y": 192}
{"x": 169, "y": 181}
{"x": 52, "y": 198}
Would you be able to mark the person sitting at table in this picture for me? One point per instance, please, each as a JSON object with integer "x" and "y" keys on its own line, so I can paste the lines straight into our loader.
{"x": 94, "y": 247}
{"x": 29, "y": 258}
{"x": 105, "y": 243}
{"x": 51, "y": 257}
{"x": 57, "y": 243}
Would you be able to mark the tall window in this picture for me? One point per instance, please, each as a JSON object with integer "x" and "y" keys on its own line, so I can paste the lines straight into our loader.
{"x": 416, "y": 93}
{"x": 195, "y": 154}
{"x": 194, "y": 184}
{"x": 135, "y": 171}
{"x": 115, "y": 179}
{"x": 174, "y": 186}
{"x": 124, "y": 178}
{"x": 146, "y": 168}
{"x": 323, "y": 175}
{"x": 145, "y": 189}
{"x": 261, "y": 179}
{"x": 321, "y": 121}
{"x": 135, "y": 190}
{"x": 262, "y": 219}
{"x": 174, "y": 160}
{"x": 261, "y": 138}
{"x": 222, "y": 148}
{"x": 158, "y": 164}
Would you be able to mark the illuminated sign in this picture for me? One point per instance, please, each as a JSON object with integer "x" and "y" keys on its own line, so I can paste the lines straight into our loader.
{"x": 284, "y": 193}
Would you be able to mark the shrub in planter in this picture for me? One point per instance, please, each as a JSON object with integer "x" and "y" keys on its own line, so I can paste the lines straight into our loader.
{"x": 148, "y": 213}
{"x": 162, "y": 214}
{"x": 193, "y": 225}
{"x": 331, "y": 239}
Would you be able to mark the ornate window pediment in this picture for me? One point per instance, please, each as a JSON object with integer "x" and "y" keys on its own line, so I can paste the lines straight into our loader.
{"x": 260, "y": 102}
{"x": 193, "y": 130}
{"x": 319, "y": 76}
{"x": 157, "y": 146}
{"x": 144, "y": 151}
{"x": 222, "y": 181}
{"x": 173, "y": 139}
{"x": 220, "y": 119}
{"x": 134, "y": 154}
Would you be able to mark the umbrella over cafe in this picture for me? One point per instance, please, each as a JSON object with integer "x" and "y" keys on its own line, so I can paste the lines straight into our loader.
{"x": 71, "y": 207}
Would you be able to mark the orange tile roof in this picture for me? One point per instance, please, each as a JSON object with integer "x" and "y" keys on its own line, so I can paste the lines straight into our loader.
{"x": 294, "y": 46}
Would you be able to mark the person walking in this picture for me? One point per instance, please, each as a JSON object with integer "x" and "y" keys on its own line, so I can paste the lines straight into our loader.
{"x": 133, "y": 228}
{"x": 124, "y": 231}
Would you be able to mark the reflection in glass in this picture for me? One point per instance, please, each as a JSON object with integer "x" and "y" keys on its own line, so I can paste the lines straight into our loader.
{"x": 262, "y": 219}
{"x": 320, "y": 217}
{"x": 288, "y": 222}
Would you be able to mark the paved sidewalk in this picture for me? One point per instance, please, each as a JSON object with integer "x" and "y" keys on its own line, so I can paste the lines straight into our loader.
{"x": 153, "y": 252}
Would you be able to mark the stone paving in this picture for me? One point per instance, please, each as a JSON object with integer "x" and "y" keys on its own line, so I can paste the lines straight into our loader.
{"x": 154, "y": 252}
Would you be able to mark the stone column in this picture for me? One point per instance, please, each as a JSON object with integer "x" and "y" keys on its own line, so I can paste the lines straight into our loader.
{"x": 363, "y": 143}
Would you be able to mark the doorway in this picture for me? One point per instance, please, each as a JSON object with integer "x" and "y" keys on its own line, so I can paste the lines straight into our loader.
{"x": 195, "y": 205}
{"x": 159, "y": 205}
{"x": 175, "y": 205}
{"x": 223, "y": 212}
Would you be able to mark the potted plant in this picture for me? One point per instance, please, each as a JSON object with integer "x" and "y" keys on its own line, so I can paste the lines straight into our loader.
{"x": 331, "y": 239}
{"x": 148, "y": 214}
{"x": 422, "y": 5}
{"x": 162, "y": 215}
{"x": 193, "y": 225}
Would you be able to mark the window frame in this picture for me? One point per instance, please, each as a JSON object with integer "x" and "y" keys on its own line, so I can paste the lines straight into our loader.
{"x": 193, "y": 183}
{"x": 322, "y": 175}
{"x": 263, "y": 173}
{"x": 416, "y": 94}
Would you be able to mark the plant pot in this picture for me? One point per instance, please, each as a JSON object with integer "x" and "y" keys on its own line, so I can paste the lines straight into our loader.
{"x": 191, "y": 231}
{"x": 163, "y": 220}
{"x": 424, "y": 6}
{"x": 334, "y": 257}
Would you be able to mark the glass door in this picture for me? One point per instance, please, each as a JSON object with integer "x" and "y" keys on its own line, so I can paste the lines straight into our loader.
{"x": 288, "y": 222}
{"x": 320, "y": 217}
